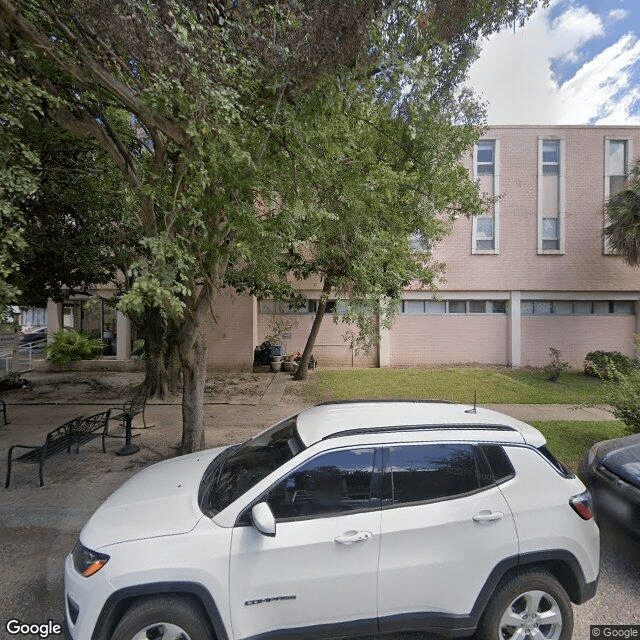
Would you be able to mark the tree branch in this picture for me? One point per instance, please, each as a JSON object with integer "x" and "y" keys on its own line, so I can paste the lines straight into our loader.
{"x": 88, "y": 64}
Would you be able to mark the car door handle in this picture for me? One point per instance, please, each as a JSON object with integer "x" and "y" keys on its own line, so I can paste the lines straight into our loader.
{"x": 488, "y": 516}
{"x": 349, "y": 537}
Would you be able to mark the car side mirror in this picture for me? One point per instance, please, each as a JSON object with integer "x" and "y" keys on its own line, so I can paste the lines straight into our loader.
{"x": 263, "y": 519}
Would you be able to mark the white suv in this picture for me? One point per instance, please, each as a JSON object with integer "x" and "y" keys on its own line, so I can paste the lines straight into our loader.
{"x": 347, "y": 519}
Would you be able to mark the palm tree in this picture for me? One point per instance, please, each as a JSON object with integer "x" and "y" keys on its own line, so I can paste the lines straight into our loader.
{"x": 622, "y": 211}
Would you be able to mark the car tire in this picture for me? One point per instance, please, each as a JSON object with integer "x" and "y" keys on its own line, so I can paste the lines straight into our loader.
{"x": 527, "y": 600}
{"x": 163, "y": 618}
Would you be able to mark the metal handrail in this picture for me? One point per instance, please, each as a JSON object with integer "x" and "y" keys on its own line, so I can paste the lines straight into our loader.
{"x": 7, "y": 358}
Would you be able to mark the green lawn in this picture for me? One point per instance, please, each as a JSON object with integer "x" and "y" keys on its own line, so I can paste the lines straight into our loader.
{"x": 569, "y": 441}
{"x": 456, "y": 384}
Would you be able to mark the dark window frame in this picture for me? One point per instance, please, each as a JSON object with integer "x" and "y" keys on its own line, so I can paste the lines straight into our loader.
{"x": 387, "y": 496}
{"x": 244, "y": 518}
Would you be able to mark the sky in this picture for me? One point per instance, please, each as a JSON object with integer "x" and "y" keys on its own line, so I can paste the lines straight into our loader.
{"x": 575, "y": 62}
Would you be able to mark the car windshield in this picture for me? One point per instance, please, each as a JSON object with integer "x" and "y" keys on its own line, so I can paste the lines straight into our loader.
{"x": 239, "y": 468}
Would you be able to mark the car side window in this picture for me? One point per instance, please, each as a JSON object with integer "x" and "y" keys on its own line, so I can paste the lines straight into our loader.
{"x": 424, "y": 472}
{"x": 501, "y": 467}
{"x": 331, "y": 484}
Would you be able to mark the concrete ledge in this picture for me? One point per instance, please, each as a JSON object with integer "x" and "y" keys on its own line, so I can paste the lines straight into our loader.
{"x": 101, "y": 364}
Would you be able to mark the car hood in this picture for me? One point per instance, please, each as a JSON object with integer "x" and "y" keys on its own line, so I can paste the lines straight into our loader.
{"x": 624, "y": 462}
{"x": 161, "y": 500}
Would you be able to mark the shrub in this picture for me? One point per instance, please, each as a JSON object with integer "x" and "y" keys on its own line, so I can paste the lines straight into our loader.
{"x": 555, "y": 367}
{"x": 607, "y": 365}
{"x": 623, "y": 395}
{"x": 138, "y": 351}
{"x": 68, "y": 346}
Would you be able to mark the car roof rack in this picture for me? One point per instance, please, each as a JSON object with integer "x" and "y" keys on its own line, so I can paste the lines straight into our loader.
{"x": 420, "y": 427}
{"x": 370, "y": 401}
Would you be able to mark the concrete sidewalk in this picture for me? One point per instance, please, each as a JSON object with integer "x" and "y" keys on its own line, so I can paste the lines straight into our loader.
{"x": 529, "y": 412}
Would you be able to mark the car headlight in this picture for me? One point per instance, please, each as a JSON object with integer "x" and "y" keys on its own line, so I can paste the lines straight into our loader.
{"x": 86, "y": 561}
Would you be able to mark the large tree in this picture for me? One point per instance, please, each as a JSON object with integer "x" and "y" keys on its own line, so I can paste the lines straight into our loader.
{"x": 197, "y": 103}
{"x": 390, "y": 185}
{"x": 74, "y": 236}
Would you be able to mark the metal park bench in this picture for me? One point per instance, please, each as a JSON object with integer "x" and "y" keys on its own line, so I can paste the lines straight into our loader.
{"x": 71, "y": 434}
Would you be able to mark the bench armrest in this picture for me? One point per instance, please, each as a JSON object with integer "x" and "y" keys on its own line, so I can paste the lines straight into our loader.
{"x": 25, "y": 446}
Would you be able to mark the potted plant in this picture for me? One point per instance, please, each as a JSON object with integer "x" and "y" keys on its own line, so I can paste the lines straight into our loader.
{"x": 288, "y": 361}
{"x": 278, "y": 328}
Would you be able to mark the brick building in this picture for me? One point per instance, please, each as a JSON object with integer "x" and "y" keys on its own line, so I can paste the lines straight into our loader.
{"x": 534, "y": 272}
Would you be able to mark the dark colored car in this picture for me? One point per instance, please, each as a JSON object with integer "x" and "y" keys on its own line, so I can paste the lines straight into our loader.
{"x": 37, "y": 339}
{"x": 611, "y": 471}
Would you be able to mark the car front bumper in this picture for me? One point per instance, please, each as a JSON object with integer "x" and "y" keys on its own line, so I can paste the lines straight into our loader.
{"x": 83, "y": 601}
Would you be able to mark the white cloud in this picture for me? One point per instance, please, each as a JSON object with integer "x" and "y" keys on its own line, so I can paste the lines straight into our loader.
{"x": 514, "y": 73}
{"x": 601, "y": 88}
{"x": 618, "y": 14}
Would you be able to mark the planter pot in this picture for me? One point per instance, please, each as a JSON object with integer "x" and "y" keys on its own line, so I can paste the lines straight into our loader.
{"x": 276, "y": 349}
{"x": 276, "y": 358}
{"x": 295, "y": 367}
{"x": 287, "y": 366}
{"x": 275, "y": 366}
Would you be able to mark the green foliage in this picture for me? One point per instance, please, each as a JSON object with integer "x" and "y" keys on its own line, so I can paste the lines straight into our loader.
{"x": 607, "y": 365}
{"x": 75, "y": 238}
{"x": 68, "y": 346}
{"x": 138, "y": 350}
{"x": 555, "y": 367}
{"x": 622, "y": 392}
{"x": 19, "y": 101}
{"x": 382, "y": 178}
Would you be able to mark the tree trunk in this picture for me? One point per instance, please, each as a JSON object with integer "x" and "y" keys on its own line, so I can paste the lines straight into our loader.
{"x": 303, "y": 367}
{"x": 172, "y": 359}
{"x": 155, "y": 381}
{"x": 194, "y": 371}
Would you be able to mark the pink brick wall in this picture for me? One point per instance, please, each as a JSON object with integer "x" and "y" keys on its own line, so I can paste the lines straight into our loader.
{"x": 583, "y": 267}
{"x": 230, "y": 339}
{"x": 417, "y": 340}
{"x": 331, "y": 349}
{"x": 575, "y": 336}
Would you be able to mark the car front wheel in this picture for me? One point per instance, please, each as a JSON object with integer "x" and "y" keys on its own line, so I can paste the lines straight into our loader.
{"x": 163, "y": 618}
{"x": 527, "y": 605}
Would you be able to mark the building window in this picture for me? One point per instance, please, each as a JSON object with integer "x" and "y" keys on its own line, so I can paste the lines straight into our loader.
{"x": 485, "y": 227}
{"x": 432, "y": 307}
{"x": 485, "y": 161}
{"x": 271, "y": 307}
{"x": 616, "y": 162}
{"x": 576, "y": 307}
{"x": 413, "y": 306}
{"x": 477, "y": 306}
{"x": 457, "y": 306}
{"x": 617, "y": 165}
{"x": 550, "y": 196}
{"x": 551, "y": 157}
